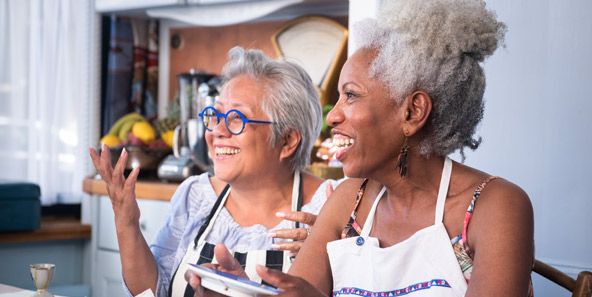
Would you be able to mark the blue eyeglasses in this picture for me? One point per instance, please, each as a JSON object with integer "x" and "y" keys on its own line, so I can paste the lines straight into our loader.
{"x": 235, "y": 120}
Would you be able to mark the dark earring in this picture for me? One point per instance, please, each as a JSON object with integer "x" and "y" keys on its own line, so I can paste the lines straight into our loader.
{"x": 402, "y": 159}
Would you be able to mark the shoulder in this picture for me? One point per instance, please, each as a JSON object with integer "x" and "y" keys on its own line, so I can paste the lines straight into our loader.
{"x": 195, "y": 192}
{"x": 502, "y": 196}
{"x": 341, "y": 203}
{"x": 502, "y": 212}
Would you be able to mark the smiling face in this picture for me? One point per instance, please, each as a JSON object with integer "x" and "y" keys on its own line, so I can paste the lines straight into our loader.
{"x": 247, "y": 154}
{"x": 366, "y": 120}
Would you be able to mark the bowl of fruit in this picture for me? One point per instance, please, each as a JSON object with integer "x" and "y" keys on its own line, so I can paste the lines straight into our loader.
{"x": 146, "y": 144}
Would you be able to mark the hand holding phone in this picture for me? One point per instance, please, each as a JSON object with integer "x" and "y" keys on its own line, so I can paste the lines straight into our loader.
{"x": 230, "y": 285}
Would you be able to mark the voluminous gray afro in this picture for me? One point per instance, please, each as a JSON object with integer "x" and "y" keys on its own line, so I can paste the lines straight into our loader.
{"x": 436, "y": 46}
{"x": 291, "y": 100}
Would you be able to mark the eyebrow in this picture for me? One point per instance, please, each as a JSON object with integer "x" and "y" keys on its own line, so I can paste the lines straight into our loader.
{"x": 344, "y": 85}
{"x": 235, "y": 105}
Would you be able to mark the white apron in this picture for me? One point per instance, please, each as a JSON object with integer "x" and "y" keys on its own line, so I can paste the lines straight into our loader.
{"x": 422, "y": 265}
{"x": 200, "y": 251}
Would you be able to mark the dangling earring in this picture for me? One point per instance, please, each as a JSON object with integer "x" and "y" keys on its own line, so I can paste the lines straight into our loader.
{"x": 402, "y": 159}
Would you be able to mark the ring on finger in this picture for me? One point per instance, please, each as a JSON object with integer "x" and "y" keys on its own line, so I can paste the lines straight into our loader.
{"x": 307, "y": 232}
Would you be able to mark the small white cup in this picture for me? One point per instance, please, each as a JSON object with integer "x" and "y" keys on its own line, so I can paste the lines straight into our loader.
{"x": 42, "y": 275}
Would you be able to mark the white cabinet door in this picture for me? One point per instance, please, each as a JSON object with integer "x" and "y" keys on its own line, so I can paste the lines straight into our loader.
{"x": 108, "y": 282}
{"x": 152, "y": 216}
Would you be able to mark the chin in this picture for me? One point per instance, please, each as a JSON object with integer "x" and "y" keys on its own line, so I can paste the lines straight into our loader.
{"x": 352, "y": 171}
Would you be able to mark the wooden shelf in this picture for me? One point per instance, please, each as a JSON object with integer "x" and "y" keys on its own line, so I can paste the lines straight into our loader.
{"x": 154, "y": 190}
{"x": 52, "y": 228}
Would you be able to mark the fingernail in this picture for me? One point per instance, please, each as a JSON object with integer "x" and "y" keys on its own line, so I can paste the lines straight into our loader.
{"x": 103, "y": 146}
{"x": 272, "y": 234}
{"x": 275, "y": 246}
{"x": 123, "y": 151}
{"x": 280, "y": 214}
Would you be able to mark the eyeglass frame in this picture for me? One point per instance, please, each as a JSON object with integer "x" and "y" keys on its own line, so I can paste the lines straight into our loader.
{"x": 224, "y": 115}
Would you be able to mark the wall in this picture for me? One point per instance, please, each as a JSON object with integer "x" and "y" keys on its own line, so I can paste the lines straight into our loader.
{"x": 205, "y": 48}
{"x": 535, "y": 131}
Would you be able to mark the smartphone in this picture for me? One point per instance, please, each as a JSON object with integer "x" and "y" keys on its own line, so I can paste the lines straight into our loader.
{"x": 230, "y": 285}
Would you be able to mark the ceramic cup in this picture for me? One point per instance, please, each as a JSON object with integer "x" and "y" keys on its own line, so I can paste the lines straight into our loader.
{"x": 42, "y": 275}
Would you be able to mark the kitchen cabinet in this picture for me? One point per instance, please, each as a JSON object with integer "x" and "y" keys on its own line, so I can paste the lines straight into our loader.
{"x": 107, "y": 280}
{"x": 153, "y": 201}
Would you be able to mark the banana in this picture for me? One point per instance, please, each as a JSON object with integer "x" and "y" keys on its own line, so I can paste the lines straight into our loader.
{"x": 119, "y": 123}
{"x": 127, "y": 127}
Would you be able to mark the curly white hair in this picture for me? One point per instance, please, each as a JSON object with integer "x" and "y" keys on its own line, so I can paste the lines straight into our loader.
{"x": 436, "y": 46}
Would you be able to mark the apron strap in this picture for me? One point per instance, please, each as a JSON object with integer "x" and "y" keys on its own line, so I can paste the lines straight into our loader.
{"x": 443, "y": 191}
{"x": 370, "y": 219}
{"x": 213, "y": 214}
{"x": 297, "y": 196}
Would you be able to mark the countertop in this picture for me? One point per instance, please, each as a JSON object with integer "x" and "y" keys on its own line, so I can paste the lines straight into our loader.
{"x": 145, "y": 189}
{"x": 52, "y": 228}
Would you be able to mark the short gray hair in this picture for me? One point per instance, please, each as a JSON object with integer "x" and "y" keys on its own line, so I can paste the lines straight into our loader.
{"x": 291, "y": 99}
{"x": 436, "y": 46}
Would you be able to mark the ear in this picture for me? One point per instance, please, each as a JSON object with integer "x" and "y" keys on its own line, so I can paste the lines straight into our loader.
{"x": 418, "y": 107}
{"x": 290, "y": 144}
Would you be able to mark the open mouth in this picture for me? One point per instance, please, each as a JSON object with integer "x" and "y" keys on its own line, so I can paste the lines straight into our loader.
{"x": 226, "y": 151}
{"x": 342, "y": 143}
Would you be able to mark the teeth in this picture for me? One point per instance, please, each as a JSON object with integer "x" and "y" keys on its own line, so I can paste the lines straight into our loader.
{"x": 225, "y": 151}
{"x": 343, "y": 142}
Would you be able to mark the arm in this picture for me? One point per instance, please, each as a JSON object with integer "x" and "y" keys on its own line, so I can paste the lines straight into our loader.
{"x": 138, "y": 264}
{"x": 328, "y": 226}
{"x": 501, "y": 236}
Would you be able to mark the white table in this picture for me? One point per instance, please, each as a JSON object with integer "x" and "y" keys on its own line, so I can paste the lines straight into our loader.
{"x": 6, "y": 290}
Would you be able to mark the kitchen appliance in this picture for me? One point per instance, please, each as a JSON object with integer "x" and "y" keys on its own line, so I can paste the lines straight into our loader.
{"x": 190, "y": 152}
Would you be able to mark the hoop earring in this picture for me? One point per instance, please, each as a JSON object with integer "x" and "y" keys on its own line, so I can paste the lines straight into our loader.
{"x": 402, "y": 159}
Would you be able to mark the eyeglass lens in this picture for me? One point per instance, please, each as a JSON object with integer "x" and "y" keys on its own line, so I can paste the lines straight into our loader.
{"x": 234, "y": 121}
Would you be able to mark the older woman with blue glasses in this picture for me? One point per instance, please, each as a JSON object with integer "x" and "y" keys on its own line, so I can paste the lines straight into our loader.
{"x": 260, "y": 204}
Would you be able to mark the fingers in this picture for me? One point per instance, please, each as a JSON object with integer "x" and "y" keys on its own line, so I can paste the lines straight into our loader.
{"x": 96, "y": 159}
{"x": 277, "y": 278}
{"x": 294, "y": 234}
{"x": 195, "y": 282}
{"x": 105, "y": 167}
{"x": 329, "y": 190}
{"x": 117, "y": 175}
{"x": 227, "y": 263}
{"x": 130, "y": 183}
{"x": 298, "y": 216}
{"x": 293, "y": 246}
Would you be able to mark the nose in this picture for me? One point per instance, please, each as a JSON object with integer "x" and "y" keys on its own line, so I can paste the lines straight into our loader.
{"x": 335, "y": 116}
{"x": 220, "y": 128}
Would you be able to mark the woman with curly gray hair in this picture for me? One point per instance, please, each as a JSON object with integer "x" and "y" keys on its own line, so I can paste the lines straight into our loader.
{"x": 417, "y": 222}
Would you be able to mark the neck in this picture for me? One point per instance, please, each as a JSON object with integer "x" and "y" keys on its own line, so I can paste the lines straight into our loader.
{"x": 268, "y": 192}
{"x": 421, "y": 182}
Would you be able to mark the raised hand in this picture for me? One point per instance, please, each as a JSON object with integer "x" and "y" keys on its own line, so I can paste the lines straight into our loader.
{"x": 121, "y": 190}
